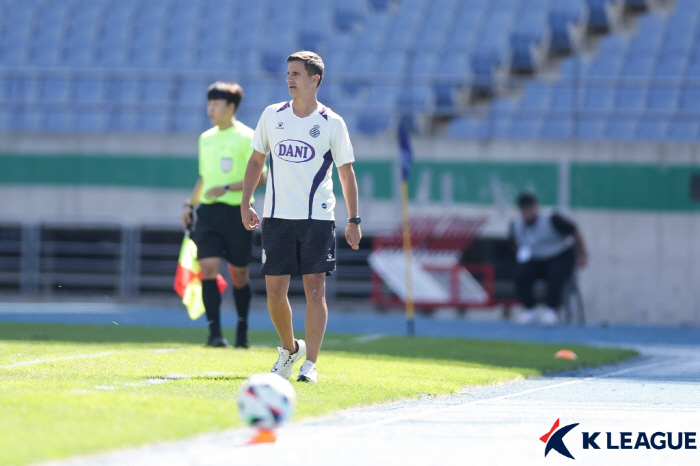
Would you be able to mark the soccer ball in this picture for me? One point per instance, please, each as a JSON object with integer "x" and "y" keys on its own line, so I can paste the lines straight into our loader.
{"x": 266, "y": 400}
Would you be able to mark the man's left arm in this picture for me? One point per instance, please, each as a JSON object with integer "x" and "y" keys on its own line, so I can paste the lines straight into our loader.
{"x": 567, "y": 227}
{"x": 348, "y": 181}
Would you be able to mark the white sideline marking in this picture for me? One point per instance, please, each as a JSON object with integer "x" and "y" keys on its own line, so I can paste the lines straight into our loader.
{"x": 368, "y": 338}
{"x": 76, "y": 356}
{"x": 404, "y": 417}
{"x": 62, "y": 358}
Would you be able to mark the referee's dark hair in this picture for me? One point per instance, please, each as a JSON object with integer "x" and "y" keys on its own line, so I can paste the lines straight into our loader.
{"x": 230, "y": 92}
{"x": 312, "y": 63}
{"x": 526, "y": 200}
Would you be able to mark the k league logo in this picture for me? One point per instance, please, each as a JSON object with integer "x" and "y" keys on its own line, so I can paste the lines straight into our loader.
{"x": 554, "y": 440}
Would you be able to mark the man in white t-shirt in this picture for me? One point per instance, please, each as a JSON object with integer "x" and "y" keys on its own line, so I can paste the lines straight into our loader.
{"x": 304, "y": 140}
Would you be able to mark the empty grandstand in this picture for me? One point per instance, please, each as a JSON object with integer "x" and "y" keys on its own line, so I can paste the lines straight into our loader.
{"x": 485, "y": 66}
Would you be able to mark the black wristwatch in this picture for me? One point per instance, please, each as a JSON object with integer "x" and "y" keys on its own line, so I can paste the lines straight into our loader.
{"x": 227, "y": 187}
{"x": 355, "y": 220}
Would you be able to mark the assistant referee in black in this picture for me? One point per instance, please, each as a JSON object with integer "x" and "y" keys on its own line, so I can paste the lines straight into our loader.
{"x": 224, "y": 151}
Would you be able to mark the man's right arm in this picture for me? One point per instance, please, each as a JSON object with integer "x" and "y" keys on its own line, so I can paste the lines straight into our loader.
{"x": 250, "y": 182}
{"x": 190, "y": 204}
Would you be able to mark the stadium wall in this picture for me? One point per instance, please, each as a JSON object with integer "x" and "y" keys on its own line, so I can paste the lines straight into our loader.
{"x": 636, "y": 203}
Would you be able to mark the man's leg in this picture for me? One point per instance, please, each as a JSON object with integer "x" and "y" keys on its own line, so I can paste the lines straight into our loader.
{"x": 559, "y": 271}
{"x": 280, "y": 310}
{"x": 316, "y": 313}
{"x": 211, "y": 296}
{"x": 242, "y": 296}
{"x": 524, "y": 280}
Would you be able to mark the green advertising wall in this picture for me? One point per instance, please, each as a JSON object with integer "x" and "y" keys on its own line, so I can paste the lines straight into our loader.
{"x": 616, "y": 186}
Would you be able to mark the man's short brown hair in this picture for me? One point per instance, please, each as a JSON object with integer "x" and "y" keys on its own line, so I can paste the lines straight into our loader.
{"x": 232, "y": 92}
{"x": 312, "y": 63}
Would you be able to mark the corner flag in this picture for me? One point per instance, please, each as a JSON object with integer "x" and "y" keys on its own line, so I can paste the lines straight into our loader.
{"x": 188, "y": 279}
{"x": 406, "y": 156}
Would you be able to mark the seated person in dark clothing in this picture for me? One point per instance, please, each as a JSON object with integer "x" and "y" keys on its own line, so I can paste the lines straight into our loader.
{"x": 549, "y": 247}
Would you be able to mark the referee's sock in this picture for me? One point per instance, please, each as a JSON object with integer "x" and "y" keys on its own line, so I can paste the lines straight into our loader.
{"x": 242, "y": 297}
{"x": 212, "y": 305}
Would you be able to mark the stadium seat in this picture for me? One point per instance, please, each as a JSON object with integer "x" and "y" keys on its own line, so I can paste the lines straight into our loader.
{"x": 630, "y": 98}
{"x": 662, "y": 100}
{"x": 536, "y": 97}
{"x": 56, "y": 90}
{"x": 590, "y": 128}
{"x": 525, "y": 127}
{"x": 652, "y": 129}
{"x": 557, "y": 128}
{"x": 598, "y": 98}
{"x": 466, "y": 127}
{"x": 563, "y": 96}
{"x": 620, "y": 128}
{"x": 683, "y": 130}
{"x": 689, "y": 101}
{"x": 91, "y": 120}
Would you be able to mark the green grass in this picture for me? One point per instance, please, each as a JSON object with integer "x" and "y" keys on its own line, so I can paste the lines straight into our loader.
{"x": 132, "y": 394}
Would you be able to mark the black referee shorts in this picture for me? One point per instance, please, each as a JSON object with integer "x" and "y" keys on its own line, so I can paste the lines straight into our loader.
{"x": 298, "y": 247}
{"x": 219, "y": 232}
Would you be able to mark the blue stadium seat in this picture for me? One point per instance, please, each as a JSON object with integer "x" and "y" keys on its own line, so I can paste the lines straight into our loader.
{"x": 689, "y": 101}
{"x": 536, "y": 97}
{"x": 557, "y": 128}
{"x": 671, "y": 66}
{"x": 154, "y": 121}
{"x": 599, "y": 18}
{"x": 58, "y": 120}
{"x": 194, "y": 92}
{"x": 598, "y": 98}
{"x": 638, "y": 66}
{"x": 56, "y": 90}
{"x": 391, "y": 67}
{"x": 31, "y": 119}
{"x": 607, "y": 66}
{"x": 614, "y": 45}
{"x": 466, "y": 127}
{"x": 662, "y": 99}
{"x": 563, "y": 96}
{"x": 683, "y": 130}
{"x": 158, "y": 91}
{"x": 525, "y": 127}
{"x": 371, "y": 124}
{"x": 652, "y": 129}
{"x": 630, "y": 98}
{"x": 620, "y": 128}
{"x": 92, "y": 120}
{"x": 415, "y": 97}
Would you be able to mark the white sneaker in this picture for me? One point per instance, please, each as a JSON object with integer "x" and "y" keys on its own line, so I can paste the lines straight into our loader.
{"x": 527, "y": 317}
{"x": 307, "y": 372}
{"x": 285, "y": 363}
{"x": 549, "y": 317}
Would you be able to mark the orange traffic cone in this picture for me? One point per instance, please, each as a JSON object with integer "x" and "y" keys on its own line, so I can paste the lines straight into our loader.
{"x": 565, "y": 354}
{"x": 263, "y": 436}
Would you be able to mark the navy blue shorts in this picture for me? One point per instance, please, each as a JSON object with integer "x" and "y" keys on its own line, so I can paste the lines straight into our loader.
{"x": 298, "y": 247}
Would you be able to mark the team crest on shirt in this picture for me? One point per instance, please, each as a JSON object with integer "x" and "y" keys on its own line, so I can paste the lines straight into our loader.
{"x": 315, "y": 131}
{"x": 226, "y": 164}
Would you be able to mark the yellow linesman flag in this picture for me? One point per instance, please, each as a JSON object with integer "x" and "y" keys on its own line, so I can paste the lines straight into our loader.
{"x": 188, "y": 279}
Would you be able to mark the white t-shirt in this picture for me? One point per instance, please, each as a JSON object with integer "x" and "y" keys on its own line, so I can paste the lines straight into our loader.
{"x": 302, "y": 152}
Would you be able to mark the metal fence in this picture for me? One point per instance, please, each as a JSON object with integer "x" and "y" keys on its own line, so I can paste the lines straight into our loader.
{"x": 126, "y": 262}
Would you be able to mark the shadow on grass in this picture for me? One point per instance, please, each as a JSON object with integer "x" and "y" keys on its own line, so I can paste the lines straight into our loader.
{"x": 507, "y": 354}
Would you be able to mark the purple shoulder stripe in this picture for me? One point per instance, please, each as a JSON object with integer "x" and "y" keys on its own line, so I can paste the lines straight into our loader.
{"x": 324, "y": 113}
{"x": 286, "y": 105}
